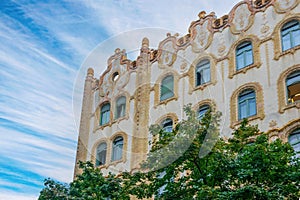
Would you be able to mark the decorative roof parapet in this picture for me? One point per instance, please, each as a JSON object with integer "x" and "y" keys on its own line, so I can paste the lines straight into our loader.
{"x": 200, "y": 32}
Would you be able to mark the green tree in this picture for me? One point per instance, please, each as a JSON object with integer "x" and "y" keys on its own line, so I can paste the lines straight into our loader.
{"x": 91, "y": 184}
{"x": 195, "y": 162}
{"x": 54, "y": 190}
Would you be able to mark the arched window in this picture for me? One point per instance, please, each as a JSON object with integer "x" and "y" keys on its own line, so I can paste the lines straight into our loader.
{"x": 202, "y": 110}
{"x": 167, "y": 125}
{"x": 167, "y": 88}
{"x": 120, "y": 107}
{"x": 202, "y": 72}
{"x": 246, "y": 104}
{"x": 101, "y": 154}
{"x": 117, "y": 150}
{"x": 290, "y": 35}
{"x": 244, "y": 55}
{"x": 293, "y": 87}
{"x": 294, "y": 140}
{"x": 105, "y": 114}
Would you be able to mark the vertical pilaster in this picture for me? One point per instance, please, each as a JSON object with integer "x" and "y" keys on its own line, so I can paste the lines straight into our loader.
{"x": 141, "y": 107}
{"x": 86, "y": 110}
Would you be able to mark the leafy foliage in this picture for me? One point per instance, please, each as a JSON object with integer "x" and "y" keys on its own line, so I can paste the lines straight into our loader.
{"x": 91, "y": 184}
{"x": 54, "y": 190}
{"x": 194, "y": 162}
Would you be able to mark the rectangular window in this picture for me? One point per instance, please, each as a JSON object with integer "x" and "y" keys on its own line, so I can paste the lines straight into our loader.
{"x": 105, "y": 114}
{"x": 247, "y": 104}
{"x": 202, "y": 72}
{"x": 244, "y": 55}
{"x": 167, "y": 87}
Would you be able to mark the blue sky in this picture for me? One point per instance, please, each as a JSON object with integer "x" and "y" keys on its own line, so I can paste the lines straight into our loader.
{"x": 43, "y": 47}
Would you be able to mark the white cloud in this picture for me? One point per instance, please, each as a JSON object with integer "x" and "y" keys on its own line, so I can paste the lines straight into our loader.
{"x": 119, "y": 16}
{"x": 17, "y": 196}
{"x": 39, "y": 61}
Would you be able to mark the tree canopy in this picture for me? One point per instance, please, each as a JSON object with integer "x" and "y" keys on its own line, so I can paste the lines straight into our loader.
{"x": 195, "y": 162}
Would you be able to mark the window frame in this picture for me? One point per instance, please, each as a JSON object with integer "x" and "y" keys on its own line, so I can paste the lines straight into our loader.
{"x": 247, "y": 99}
{"x": 260, "y": 111}
{"x": 102, "y": 156}
{"x": 242, "y": 50}
{"x": 167, "y": 124}
{"x": 167, "y": 85}
{"x": 122, "y": 106}
{"x": 105, "y": 113}
{"x": 200, "y": 71}
{"x": 204, "y": 107}
{"x": 290, "y": 29}
{"x": 290, "y": 76}
{"x": 116, "y": 143}
{"x": 295, "y": 132}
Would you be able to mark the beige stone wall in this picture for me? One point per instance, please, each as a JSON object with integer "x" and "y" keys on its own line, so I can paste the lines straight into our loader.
{"x": 209, "y": 38}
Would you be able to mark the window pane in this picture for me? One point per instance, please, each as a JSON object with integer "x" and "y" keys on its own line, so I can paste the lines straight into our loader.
{"x": 202, "y": 72}
{"x": 293, "y": 78}
{"x": 167, "y": 125}
{"x": 121, "y": 100}
{"x": 240, "y": 61}
{"x": 105, "y": 117}
{"x": 117, "y": 149}
{"x": 101, "y": 154}
{"x": 297, "y": 148}
{"x": 244, "y": 55}
{"x": 206, "y": 75}
{"x": 120, "y": 107}
{"x": 105, "y": 114}
{"x": 166, "y": 89}
{"x": 202, "y": 110}
{"x": 198, "y": 78}
{"x": 286, "y": 42}
{"x": 293, "y": 87}
{"x": 294, "y": 140}
{"x": 296, "y": 37}
{"x": 243, "y": 110}
{"x": 290, "y": 35}
{"x": 247, "y": 104}
{"x": 249, "y": 58}
{"x": 252, "y": 107}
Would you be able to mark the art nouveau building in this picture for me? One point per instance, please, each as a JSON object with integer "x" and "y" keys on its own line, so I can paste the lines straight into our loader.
{"x": 246, "y": 63}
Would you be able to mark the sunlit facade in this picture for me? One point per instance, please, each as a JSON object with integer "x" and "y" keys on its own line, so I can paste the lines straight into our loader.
{"x": 246, "y": 64}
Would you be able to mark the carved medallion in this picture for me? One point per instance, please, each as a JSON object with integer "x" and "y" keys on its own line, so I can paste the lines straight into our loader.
{"x": 285, "y": 5}
{"x": 242, "y": 19}
{"x": 167, "y": 53}
{"x": 202, "y": 37}
{"x": 221, "y": 46}
{"x": 265, "y": 28}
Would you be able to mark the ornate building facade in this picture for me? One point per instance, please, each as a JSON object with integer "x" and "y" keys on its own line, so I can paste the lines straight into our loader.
{"x": 246, "y": 64}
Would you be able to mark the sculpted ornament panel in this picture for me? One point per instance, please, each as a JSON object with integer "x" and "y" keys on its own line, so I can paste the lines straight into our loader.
{"x": 115, "y": 78}
{"x": 285, "y": 5}
{"x": 167, "y": 51}
{"x": 202, "y": 37}
{"x": 221, "y": 46}
{"x": 242, "y": 19}
{"x": 265, "y": 29}
{"x": 106, "y": 87}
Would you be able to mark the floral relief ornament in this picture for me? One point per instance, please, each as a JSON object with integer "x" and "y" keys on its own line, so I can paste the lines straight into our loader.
{"x": 285, "y": 4}
{"x": 202, "y": 35}
{"x": 241, "y": 20}
{"x": 168, "y": 53}
{"x": 265, "y": 28}
{"x": 221, "y": 47}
